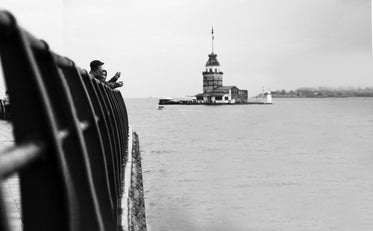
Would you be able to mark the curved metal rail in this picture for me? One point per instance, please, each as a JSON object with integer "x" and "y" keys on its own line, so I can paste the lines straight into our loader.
{"x": 71, "y": 138}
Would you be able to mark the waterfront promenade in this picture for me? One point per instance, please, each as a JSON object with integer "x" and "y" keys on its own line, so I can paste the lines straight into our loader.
{"x": 11, "y": 190}
{"x": 10, "y": 186}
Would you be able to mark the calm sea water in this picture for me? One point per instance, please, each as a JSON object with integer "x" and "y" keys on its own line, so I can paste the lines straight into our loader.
{"x": 300, "y": 164}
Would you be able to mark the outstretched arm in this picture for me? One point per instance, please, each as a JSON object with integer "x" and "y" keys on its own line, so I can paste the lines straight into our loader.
{"x": 115, "y": 78}
{"x": 114, "y": 85}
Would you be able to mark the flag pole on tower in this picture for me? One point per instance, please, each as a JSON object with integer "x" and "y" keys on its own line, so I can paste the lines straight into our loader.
{"x": 212, "y": 41}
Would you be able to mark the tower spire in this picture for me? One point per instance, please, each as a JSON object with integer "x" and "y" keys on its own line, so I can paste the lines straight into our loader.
{"x": 212, "y": 40}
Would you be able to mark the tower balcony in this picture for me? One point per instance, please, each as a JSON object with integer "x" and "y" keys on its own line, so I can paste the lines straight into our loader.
{"x": 212, "y": 72}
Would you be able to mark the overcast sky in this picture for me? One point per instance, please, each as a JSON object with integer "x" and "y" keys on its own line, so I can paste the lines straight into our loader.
{"x": 161, "y": 47}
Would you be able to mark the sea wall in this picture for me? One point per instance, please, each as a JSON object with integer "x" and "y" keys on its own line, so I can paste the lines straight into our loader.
{"x": 133, "y": 204}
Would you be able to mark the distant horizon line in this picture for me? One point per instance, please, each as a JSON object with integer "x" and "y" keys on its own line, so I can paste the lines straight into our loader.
{"x": 278, "y": 89}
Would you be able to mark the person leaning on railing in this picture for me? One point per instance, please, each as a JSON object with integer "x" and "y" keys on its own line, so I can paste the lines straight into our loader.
{"x": 99, "y": 73}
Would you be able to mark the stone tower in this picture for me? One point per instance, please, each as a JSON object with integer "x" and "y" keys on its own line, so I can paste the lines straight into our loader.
{"x": 212, "y": 76}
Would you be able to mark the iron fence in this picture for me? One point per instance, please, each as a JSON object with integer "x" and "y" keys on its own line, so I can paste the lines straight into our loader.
{"x": 71, "y": 136}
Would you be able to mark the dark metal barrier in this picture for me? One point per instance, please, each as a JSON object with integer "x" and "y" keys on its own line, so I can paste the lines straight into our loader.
{"x": 71, "y": 138}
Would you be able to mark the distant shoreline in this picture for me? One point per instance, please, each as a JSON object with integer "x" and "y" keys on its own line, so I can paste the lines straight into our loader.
{"x": 323, "y": 92}
{"x": 284, "y": 96}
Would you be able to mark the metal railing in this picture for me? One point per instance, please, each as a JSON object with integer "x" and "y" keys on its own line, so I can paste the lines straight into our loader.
{"x": 71, "y": 136}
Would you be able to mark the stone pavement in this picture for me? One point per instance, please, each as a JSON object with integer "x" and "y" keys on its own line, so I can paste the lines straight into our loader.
{"x": 10, "y": 186}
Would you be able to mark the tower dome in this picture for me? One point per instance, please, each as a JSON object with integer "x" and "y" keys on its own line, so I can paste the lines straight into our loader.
{"x": 212, "y": 60}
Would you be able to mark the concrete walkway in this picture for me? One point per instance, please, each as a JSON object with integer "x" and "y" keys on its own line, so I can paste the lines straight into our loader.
{"x": 10, "y": 186}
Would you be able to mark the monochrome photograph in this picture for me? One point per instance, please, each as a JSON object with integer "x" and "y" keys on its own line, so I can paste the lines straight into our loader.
{"x": 176, "y": 115}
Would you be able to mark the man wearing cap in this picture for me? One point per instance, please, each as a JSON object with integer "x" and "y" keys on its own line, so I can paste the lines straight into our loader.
{"x": 99, "y": 73}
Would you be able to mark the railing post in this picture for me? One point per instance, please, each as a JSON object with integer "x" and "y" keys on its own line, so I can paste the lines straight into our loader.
{"x": 43, "y": 187}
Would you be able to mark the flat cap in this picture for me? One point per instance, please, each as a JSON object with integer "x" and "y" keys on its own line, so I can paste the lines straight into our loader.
{"x": 95, "y": 63}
